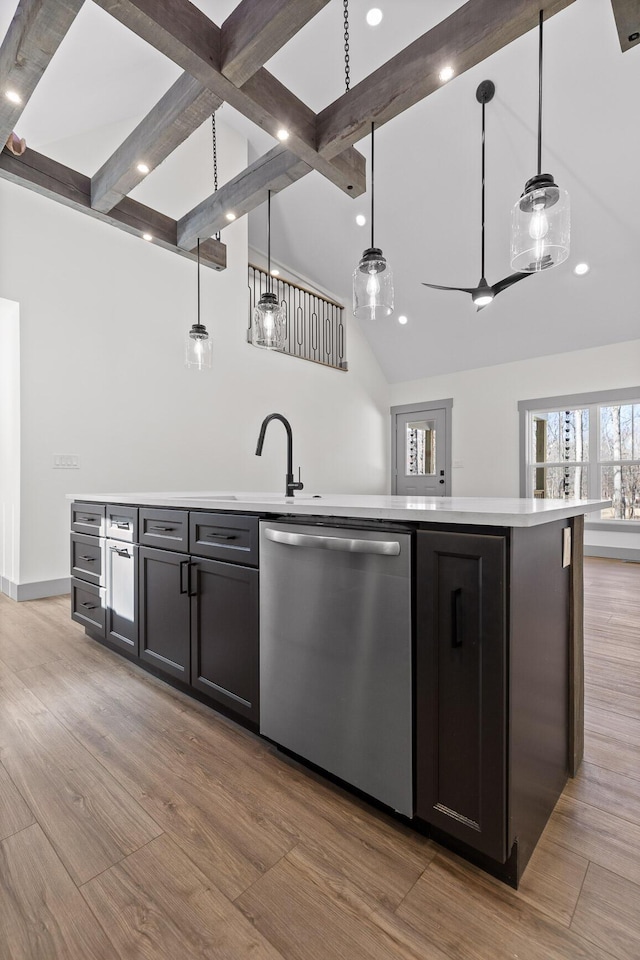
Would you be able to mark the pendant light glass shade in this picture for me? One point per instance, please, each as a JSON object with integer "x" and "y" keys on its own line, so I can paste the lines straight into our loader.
{"x": 198, "y": 354}
{"x": 372, "y": 286}
{"x": 269, "y": 326}
{"x": 373, "y": 278}
{"x": 198, "y": 348}
{"x": 540, "y": 226}
{"x": 541, "y": 217}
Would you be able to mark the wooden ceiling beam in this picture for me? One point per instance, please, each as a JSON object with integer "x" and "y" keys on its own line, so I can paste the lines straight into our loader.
{"x": 627, "y": 15}
{"x": 183, "y": 108}
{"x": 58, "y": 182}
{"x": 274, "y": 171}
{"x": 472, "y": 33}
{"x": 257, "y": 29}
{"x": 185, "y": 35}
{"x": 35, "y": 33}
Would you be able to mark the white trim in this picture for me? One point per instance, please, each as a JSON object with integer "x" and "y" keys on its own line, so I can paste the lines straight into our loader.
{"x": 36, "y": 590}
{"x": 612, "y": 553}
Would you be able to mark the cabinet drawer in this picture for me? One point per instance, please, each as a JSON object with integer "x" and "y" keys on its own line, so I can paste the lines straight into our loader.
{"x": 168, "y": 529}
{"x": 88, "y": 518}
{"x": 88, "y": 605}
{"x": 224, "y": 537}
{"x": 122, "y": 523}
{"x": 87, "y": 558}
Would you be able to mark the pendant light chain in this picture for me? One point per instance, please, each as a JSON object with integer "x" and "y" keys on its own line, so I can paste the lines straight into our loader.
{"x": 540, "y": 97}
{"x": 347, "y": 79}
{"x": 215, "y": 159}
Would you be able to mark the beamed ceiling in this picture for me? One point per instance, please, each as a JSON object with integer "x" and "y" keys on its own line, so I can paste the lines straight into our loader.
{"x": 224, "y": 63}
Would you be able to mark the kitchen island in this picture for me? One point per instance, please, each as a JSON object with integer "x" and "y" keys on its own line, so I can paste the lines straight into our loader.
{"x": 481, "y": 691}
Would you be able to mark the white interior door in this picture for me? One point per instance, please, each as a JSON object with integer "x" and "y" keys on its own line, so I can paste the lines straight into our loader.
{"x": 421, "y": 454}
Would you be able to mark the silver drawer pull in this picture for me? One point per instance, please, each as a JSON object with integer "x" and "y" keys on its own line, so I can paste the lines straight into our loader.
{"x": 87, "y": 520}
{"x": 88, "y": 559}
{"x": 387, "y": 548}
{"x": 89, "y": 606}
{"x": 161, "y": 529}
{"x": 121, "y": 524}
{"x": 122, "y": 553}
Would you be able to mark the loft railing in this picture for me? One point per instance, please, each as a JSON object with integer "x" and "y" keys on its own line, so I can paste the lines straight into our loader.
{"x": 315, "y": 327}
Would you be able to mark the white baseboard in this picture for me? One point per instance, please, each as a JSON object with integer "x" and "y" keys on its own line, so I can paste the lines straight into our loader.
{"x": 36, "y": 590}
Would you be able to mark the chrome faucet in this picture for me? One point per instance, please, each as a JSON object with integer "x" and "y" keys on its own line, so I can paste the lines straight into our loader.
{"x": 291, "y": 483}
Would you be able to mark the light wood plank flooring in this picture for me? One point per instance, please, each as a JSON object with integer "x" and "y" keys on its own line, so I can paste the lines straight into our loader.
{"x": 136, "y": 823}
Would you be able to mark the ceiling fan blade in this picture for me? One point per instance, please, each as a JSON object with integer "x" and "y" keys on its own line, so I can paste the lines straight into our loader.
{"x": 437, "y": 286}
{"x": 508, "y": 282}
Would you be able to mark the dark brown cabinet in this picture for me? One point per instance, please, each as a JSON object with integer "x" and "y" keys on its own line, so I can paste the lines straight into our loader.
{"x": 461, "y": 719}
{"x": 224, "y": 634}
{"x": 493, "y": 687}
{"x": 164, "y": 611}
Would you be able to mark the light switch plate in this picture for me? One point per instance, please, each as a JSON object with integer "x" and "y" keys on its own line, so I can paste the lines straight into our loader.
{"x": 66, "y": 461}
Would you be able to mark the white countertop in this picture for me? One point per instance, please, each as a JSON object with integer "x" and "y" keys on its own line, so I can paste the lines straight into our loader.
{"x": 494, "y": 511}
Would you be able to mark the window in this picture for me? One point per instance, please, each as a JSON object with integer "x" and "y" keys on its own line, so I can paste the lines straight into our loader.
{"x": 584, "y": 446}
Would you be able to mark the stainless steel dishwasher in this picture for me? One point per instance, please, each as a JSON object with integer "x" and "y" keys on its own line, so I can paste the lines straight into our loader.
{"x": 335, "y": 653}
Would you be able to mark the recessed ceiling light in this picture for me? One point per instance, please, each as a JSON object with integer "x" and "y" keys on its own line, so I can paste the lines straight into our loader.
{"x": 374, "y": 17}
{"x": 13, "y": 96}
{"x": 230, "y": 216}
{"x": 275, "y": 272}
{"x": 282, "y": 134}
{"x": 581, "y": 269}
{"x": 147, "y": 236}
{"x": 446, "y": 74}
{"x": 402, "y": 319}
{"x": 142, "y": 168}
{"x": 361, "y": 219}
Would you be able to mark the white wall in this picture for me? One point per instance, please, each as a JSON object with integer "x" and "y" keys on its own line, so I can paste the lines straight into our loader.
{"x": 103, "y": 319}
{"x": 9, "y": 441}
{"x": 485, "y": 412}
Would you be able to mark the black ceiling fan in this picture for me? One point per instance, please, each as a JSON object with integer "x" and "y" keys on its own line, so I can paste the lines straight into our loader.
{"x": 483, "y": 293}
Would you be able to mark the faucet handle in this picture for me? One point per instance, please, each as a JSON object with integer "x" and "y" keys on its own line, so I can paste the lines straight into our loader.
{"x": 298, "y": 485}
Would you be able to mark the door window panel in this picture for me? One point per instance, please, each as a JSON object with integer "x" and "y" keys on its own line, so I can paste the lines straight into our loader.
{"x": 420, "y": 448}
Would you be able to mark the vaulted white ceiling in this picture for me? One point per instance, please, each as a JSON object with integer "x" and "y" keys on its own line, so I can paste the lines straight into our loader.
{"x": 427, "y": 173}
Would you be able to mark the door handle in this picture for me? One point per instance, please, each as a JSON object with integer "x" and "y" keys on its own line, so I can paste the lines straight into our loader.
{"x": 456, "y": 618}
{"x": 388, "y": 548}
{"x": 184, "y": 576}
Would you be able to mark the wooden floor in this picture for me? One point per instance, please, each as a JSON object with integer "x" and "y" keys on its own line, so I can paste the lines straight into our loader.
{"x": 135, "y": 823}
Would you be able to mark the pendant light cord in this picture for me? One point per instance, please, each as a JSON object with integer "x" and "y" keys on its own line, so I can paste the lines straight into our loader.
{"x": 198, "y": 280}
{"x": 540, "y": 97}
{"x": 268, "y": 241}
{"x": 372, "y": 183}
{"x": 482, "y": 194}
{"x": 215, "y": 158}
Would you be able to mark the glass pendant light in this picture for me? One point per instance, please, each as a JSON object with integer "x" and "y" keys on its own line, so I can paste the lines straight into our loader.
{"x": 268, "y": 329}
{"x": 198, "y": 347}
{"x": 541, "y": 217}
{"x": 372, "y": 278}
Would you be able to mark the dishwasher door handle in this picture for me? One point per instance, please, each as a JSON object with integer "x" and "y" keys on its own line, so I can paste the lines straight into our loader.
{"x": 387, "y": 548}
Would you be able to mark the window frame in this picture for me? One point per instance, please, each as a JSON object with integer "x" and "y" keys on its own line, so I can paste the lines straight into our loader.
{"x": 593, "y": 465}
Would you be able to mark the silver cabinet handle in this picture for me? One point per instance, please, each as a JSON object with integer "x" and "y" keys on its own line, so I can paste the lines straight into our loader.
{"x": 122, "y": 553}
{"x": 388, "y": 548}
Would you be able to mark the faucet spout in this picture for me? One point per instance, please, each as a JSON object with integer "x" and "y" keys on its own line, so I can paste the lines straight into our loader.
{"x": 291, "y": 484}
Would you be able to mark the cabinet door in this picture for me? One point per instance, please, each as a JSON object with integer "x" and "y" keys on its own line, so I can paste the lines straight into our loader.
{"x": 164, "y": 610}
{"x": 461, "y": 714}
{"x": 224, "y": 634}
{"x": 122, "y": 595}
